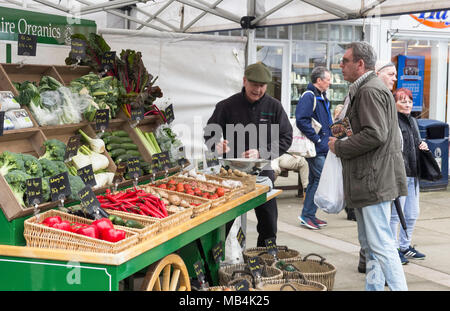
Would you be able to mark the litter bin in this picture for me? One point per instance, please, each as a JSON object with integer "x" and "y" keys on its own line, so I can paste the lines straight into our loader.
{"x": 435, "y": 134}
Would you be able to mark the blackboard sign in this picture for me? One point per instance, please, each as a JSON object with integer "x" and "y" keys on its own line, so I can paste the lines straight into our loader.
{"x": 26, "y": 45}
{"x": 72, "y": 147}
{"x": 198, "y": 269}
{"x": 108, "y": 60}
{"x": 78, "y": 49}
{"x": 33, "y": 191}
{"x": 87, "y": 175}
{"x": 88, "y": 199}
{"x": 156, "y": 166}
{"x": 240, "y": 237}
{"x": 271, "y": 246}
{"x": 2, "y": 122}
{"x": 59, "y": 186}
{"x": 217, "y": 252}
{"x": 163, "y": 159}
{"x": 211, "y": 159}
{"x": 255, "y": 266}
{"x": 242, "y": 286}
{"x": 101, "y": 119}
{"x": 118, "y": 175}
{"x": 168, "y": 113}
{"x": 134, "y": 167}
{"x": 137, "y": 113}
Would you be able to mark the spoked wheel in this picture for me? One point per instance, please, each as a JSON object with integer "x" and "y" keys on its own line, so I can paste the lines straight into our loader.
{"x": 167, "y": 274}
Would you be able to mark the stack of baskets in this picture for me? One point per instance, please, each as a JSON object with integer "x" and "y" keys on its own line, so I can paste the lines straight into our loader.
{"x": 232, "y": 274}
{"x": 283, "y": 253}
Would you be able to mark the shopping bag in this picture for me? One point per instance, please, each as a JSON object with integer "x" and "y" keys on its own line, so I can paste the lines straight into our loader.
{"x": 429, "y": 168}
{"x": 330, "y": 192}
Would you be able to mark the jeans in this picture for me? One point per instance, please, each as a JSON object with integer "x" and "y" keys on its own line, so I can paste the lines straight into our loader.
{"x": 377, "y": 241}
{"x": 315, "y": 166}
{"x": 410, "y": 208}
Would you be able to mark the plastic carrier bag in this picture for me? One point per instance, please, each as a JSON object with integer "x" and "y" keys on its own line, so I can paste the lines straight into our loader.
{"x": 330, "y": 192}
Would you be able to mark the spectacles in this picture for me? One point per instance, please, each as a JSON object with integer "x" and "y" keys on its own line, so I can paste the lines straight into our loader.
{"x": 344, "y": 60}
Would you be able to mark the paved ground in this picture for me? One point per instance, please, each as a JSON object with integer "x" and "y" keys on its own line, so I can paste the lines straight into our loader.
{"x": 338, "y": 242}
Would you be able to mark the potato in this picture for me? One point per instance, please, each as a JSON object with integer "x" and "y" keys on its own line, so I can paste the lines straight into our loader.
{"x": 174, "y": 199}
{"x": 184, "y": 203}
{"x": 165, "y": 201}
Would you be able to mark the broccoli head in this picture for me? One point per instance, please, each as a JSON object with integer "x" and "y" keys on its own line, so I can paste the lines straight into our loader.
{"x": 17, "y": 182}
{"x": 45, "y": 189}
{"x": 54, "y": 150}
{"x": 10, "y": 161}
{"x": 76, "y": 184}
{"x": 61, "y": 166}
{"x": 32, "y": 166}
{"x": 49, "y": 168}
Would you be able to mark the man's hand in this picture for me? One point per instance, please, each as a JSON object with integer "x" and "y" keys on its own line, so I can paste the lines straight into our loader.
{"x": 222, "y": 147}
{"x": 331, "y": 142}
{"x": 252, "y": 154}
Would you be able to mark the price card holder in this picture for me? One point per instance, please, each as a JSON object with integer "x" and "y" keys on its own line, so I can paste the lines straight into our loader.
{"x": 169, "y": 114}
{"x": 137, "y": 114}
{"x": 2, "y": 122}
{"x": 240, "y": 236}
{"x": 89, "y": 202}
{"x": 101, "y": 119}
{"x": 217, "y": 252}
{"x": 255, "y": 266}
{"x": 87, "y": 175}
{"x": 156, "y": 166}
{"x": 26, "y": 45}
{"x": 78, "y": 49}
{"x": 60, "y": 187}
{"x": 108, "y": 60}
{"x": 72, "y": 147}
{"x": 271, "y": 247}
{"x": 134, "y": 169}
{"x": 198, "y": 269}
{"x": 211, "y": 159}
{"x": 118, "y": 175}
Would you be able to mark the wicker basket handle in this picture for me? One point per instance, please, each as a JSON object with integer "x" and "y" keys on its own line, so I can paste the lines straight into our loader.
{"x": 322, "y": 259}
{"x": 301, "y": 276}
{"x": 287, "y": 285}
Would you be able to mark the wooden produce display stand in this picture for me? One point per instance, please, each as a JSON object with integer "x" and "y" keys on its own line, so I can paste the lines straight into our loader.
{"x": 36, "y": 268}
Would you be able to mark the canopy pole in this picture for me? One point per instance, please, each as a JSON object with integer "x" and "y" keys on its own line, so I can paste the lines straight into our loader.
{"x": 157, "y": 13}
{"x": 224, "y": 14}
{"x": 212, "y": 6}
{"x": 271, "y": 11}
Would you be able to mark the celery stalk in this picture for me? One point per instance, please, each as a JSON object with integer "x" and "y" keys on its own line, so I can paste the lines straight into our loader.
{"x": 144, "y": 140}
{"x": 155, "y": 143}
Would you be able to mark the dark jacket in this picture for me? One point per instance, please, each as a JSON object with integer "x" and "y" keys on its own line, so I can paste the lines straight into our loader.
{"x": 237, "y": 111}
{"x": 372, "y": 162}
{"x": 411, "y": 142}
{"x": 304, "y": 112}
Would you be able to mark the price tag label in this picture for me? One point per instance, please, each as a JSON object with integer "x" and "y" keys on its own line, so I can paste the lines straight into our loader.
{"x": 78, "y": 49}
{"x": 211, "y": 159}
{"x": 198, "y": 269}
{"x": 156, "y": 166}
{"x": 242, "y": 286}
{"x": 254, "y": 265}
{"x": 34, "y": 191}
{"x": 101, "y": 119}
{"x": 118, "y": 175}
{"x": 108, "y": 60}
{"x": 217, "y": 252}
{"x": 163, "y": 159}
{"x": 2, "y": 122}
{"x": 134, "y": 167}
{"x": 168, "y": 113}
{"x": 26, "y": 45}
{"x": 88, "y": 200}
{"x": 271, "y": 246}
{"x": 137, "y": 113}
{"x": 59, "y": 186}
{"x": 240, "y": 236}
{"x": 72, "y": 147}
{"x": 87, "y": 175}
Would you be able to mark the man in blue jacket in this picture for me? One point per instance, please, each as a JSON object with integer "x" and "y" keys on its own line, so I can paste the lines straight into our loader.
{"x": 315, "y": 96}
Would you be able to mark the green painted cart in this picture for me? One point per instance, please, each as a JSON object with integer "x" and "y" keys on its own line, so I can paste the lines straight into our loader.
{"x": 27, "y": 268}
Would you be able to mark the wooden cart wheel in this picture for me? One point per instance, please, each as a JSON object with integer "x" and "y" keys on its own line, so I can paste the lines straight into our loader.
{"x": 167, "y": 274}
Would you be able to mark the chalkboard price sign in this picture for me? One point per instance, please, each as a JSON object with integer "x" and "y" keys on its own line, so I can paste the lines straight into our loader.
{"x": 26, "y": 45}
{"x": 78, "y": 49}
{"x": 87, "y": 175}
{"x": 108, "y": 60}
{"x": 34, "y": 191}
{"x": 59, "y": 186}
{"x": 101, "y": 119}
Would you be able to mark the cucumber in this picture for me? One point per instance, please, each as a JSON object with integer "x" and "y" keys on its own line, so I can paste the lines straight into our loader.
{"x": 120, "y": 133}
{"x": 133, "y": 224}
{"x": 116, "y": 220}
{"x": 116, "y": 152}
{"x": 122, "y": 158}
{"x": 106, "y": 134}
{"x": 133, "y": 153}
{"x": 129, "y": 146}
{"x": 125, "y": 140}
{"x": 113, "y": 140}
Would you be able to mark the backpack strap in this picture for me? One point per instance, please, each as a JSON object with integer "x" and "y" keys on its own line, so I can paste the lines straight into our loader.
{"x": 314, "y": 95}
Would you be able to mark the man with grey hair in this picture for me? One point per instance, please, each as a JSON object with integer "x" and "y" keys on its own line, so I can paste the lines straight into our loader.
{"x": 387, "y": 72}
{"x": 314, "y": 104}
{"x": 372, "y": 165}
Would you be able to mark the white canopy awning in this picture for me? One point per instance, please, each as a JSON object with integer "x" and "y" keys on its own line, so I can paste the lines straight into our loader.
{"x": 213, "y": 15}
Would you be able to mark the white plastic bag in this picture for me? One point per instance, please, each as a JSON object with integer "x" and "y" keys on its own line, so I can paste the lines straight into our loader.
{"x": 330, "y": 192}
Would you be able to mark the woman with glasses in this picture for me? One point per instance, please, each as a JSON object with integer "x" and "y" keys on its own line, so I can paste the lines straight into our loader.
{"x": 410, "y": 204}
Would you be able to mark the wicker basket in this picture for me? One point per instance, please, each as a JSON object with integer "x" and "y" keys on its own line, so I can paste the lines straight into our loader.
{"x": 221, "y": 289}
{"x": 236, "y": 272}
{"x": 38, "y": 235}
{"x": 302, "y": 285}
{"x": 314, "y": 270}
{"x": 283, "y": 253}
{"x": 214, "y": 203}
{"x": 151, "y": 225}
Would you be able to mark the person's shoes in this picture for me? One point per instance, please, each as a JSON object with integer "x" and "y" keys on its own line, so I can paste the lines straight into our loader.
{"x": 319, "y": 222}
{"x": 308, "y": 223}
{"x": 403, "y": 259}
{"x": 412, "y": 253}
{"x": 350, "y": 213}
{"x": 362, "y": 262}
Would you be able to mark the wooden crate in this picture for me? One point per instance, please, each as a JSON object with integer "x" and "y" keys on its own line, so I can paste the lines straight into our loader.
{"x": 28, "y": 141}
{"x": 69, "y": 73}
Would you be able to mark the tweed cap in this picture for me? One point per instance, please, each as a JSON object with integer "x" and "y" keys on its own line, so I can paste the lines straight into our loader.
{"x": 258, "y": 72}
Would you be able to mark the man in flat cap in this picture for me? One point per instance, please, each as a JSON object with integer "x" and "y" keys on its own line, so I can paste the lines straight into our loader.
{"x": 253, "y": 125}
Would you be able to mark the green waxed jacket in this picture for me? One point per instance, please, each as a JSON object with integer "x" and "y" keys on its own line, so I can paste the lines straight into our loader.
{"x": 372, "y": 162}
